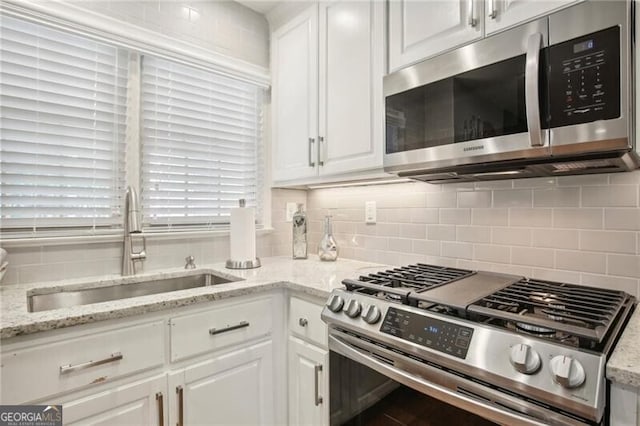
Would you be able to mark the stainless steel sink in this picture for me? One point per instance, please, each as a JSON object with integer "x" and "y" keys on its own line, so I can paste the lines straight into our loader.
{"x": 85, "y": 296}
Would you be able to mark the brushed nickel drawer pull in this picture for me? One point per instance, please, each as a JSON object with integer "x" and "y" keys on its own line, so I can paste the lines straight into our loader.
{"x": 160, "y": 400}
{"x": 242, "y": 324}
{"x": 180, "y": 392}
{"x": 303, "y": 322}
{"x": 66, "y": 369}
{"x": 317, "y": 369}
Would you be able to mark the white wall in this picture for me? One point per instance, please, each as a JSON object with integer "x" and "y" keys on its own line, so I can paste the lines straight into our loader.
{"x": 222, "y": 26}
{"x": 580, "y": 229}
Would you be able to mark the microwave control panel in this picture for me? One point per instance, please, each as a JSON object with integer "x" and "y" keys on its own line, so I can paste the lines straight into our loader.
{"x": 584, "y": 79}
{"x": 443, "y": 336}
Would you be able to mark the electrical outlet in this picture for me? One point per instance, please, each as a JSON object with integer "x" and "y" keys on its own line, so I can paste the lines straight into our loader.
{"x": 291, "y": 209}
{"x": 370, "y": 212}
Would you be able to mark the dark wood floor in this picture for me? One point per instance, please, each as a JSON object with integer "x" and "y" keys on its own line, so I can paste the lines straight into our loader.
{"x": 406, "y": 407}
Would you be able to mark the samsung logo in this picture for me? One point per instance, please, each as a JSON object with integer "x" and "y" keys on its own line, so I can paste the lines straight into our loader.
{"x": 473, "y": 148}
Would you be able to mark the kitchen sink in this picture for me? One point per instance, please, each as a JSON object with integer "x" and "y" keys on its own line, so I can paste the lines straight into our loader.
{"x": 85, "y": 296}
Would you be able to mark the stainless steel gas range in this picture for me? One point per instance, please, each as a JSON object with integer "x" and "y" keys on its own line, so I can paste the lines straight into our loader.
{"x": 509, "y": 349}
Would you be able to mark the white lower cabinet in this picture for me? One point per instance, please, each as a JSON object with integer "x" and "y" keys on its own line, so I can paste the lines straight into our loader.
{"x": 235, "y": 388}
{"x": 139, "y": 403}
{"x": 308, "y": 383}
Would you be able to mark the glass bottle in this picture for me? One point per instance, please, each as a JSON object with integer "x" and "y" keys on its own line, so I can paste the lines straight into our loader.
{"x": 328, "y": 248}
{"x": 299, "y": 233}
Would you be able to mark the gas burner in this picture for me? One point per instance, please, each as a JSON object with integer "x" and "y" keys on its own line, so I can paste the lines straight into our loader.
{"x": 534, "y": 329}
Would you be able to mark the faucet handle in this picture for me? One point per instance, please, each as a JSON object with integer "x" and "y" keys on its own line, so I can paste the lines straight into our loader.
{"x": 191, "y": 262}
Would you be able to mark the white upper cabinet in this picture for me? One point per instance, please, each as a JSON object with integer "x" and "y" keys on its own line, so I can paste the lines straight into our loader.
{"x": 327, "y": 67}
{"x": 501, "y": 14}
{"x": 295, "y": 98}
{"x": 420, "y": 29}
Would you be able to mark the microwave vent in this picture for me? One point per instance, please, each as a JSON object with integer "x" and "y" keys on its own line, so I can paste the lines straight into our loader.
{"x": 575, "y": 166}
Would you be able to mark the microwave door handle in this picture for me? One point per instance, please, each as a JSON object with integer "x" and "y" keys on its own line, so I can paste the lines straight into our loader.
{"x": 532, "y": 89}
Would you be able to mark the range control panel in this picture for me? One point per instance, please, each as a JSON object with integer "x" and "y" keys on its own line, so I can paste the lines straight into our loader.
{"x": 440, "y": 335}
{"x": 584, "y": 79}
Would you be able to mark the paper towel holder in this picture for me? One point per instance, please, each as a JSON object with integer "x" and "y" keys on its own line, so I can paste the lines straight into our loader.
{"x": 243, "y": 264}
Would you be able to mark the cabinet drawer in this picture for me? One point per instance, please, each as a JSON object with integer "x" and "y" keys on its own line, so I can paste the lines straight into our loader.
{"x": 49, "y": 369}
{"x": 220, "y": 327}
{"x": 305, "y": 321}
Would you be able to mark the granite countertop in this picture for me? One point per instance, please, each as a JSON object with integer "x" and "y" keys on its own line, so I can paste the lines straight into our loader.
{"x": 310, "y": 276}
{"x": 624, "y": 365}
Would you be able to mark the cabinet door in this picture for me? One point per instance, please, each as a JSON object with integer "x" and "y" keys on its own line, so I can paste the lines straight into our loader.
{"x": 295, "y": 97}
{"x": 501, "y": 14}
{"x": 231, "y": 389}
{"x": 138, "y": 403}
{"x": 308, "y": 384}
{"x": 351, "y": 100}
{"x": 419, "y": 29}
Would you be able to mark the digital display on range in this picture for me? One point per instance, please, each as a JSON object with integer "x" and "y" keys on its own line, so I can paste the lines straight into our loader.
{"x": 581, "y": 47}
{"x": 432, "y": 333}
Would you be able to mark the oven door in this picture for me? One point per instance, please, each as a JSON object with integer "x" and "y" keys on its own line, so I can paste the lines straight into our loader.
{"x": 483, "y": 102}
{"x": 371, "y": 384}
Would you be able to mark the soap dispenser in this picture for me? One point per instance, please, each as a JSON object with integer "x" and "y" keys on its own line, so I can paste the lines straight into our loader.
{"x": 299, "y": 233}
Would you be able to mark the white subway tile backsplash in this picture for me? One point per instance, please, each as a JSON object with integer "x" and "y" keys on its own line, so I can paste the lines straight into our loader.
{"x": 428, "y": 215}
{"x": 474, "y": 199}
{"x": 388, "y": 229}
{"x": 513, "y": 198}
{"x": 413, "y": 230}
{"x": 457, "y": 250}
{"x": 624, "y": 265}
{"x": 491, "y": 253}
{"x": 18, "y": 256}
{"x": 540, "y": 182}
{"x": 556, "y": 275}
{"x": 442, "y": 199}
{"x": 556, "y": 197}
{"x": 610, "y": 196}
{"x": 473, "y": 234}
{"x": 530, "y": 217}
{"x": 511, "y": 236}
{"x": 622, "y": 219}
{"x": 584, "y": 180}
{"x": 608, "y": 241}
{"x": 403, "y": 245}
{"x": 556, "y": 238}
{"x": 581, "y": 261}
{"x": 426, "y": 247}
{"x": 630, "y": 285}
{"x": 441, "y": 232}
{"x": 532, "y": 256}
{"x": 490, "y": 217}
{"x": 583, "y": 218}
{"x": 455, "y": 216}
{"x": 632, "y": 178}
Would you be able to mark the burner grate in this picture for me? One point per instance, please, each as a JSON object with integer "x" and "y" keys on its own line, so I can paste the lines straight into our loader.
{"x": 577, "y": 310}
{"x": 397, "y": 283}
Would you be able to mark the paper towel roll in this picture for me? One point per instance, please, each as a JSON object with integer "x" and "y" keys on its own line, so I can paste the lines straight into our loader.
{"x": 243, "y": 234}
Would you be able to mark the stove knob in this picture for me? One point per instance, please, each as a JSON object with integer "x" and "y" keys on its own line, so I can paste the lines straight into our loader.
{"x": 567, "y": 372}
{"x": 524, "y": 358}
{"x": 335, "y": 303}
{"x": 353, "y": 308}
{"x": 371, "y": 315}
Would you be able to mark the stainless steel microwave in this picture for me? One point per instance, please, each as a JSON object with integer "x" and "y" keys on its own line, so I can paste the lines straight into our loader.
{"x": 547, "y": 98}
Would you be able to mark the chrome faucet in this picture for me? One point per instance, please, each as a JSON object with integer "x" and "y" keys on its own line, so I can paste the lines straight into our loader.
{"x": 132, "y": 225}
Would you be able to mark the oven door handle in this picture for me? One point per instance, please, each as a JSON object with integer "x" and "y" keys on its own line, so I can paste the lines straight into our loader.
{"x": 492, "y": 412}
{"x": 532, "y": 89}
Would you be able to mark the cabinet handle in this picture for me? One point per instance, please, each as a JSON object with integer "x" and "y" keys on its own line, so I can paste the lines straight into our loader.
{"x": 491, "y": 5}
{"x": 180, "y": 392}
{"x": 160, "y": 401}
{"x": 472, "y": 21}
{"x": 311, "y": 162}
{"x": 303, "y": 322}
{"x": 322, "y": 151}
{"x": 242, "y": 324}
{"x": 317, "y": 369}
{"x": 66, "y": 369}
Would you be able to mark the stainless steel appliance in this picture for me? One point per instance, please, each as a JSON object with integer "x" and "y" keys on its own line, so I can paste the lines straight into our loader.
{"x": 548, "y": 98}
{"x": 513, "y": 350}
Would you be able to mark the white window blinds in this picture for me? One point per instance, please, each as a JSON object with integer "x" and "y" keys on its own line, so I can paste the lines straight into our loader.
{"x": 62, "y": 124}
{"x": 201, "y": 139}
